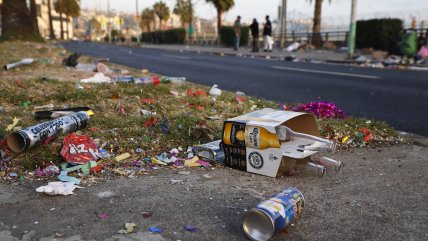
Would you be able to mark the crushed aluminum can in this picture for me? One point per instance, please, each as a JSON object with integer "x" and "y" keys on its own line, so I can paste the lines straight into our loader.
{"x": 210, "y": 151}
{"x": 272, "y": 215}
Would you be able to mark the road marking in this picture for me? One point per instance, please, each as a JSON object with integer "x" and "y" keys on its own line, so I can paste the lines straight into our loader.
{"x": 327, "y": 72}
{"x": 175, "y": 56}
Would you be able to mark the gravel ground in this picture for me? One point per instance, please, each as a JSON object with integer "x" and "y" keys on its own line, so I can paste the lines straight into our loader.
{"x": 380, "y": 195}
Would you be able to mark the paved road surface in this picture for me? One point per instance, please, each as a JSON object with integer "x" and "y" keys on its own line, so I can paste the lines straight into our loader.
{"x": 398, "y": 97}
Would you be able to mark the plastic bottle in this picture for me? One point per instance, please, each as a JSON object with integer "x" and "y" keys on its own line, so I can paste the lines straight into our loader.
{"x": 173, "y": 80}
{"x": 286, "y": 134}
{"x": 328, "y": 162}
{"x": 151, "y": 80}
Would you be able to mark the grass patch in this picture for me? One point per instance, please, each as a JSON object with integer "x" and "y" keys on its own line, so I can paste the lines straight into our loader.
{"x": 118, "y": 124}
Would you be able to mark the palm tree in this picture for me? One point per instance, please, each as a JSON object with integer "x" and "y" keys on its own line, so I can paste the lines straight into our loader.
{"x": 72, "y": 9}
{"x": 33, "y": 11}
{"x": 316, "y": 29}
{"x": 51, "y": 30}
{"x": 68, "y": 8}
{"x": 162, "y": 11}
{"x": 147, "y": 18}
{"x": 184, "y": 9}
{"x": 17, "y": 22}
{"x": 59, "y": 8}
{"x": 222, "y": 6}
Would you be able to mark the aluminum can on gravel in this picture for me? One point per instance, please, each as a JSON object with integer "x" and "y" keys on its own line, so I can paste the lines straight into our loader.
{"x": 272, "y": 215}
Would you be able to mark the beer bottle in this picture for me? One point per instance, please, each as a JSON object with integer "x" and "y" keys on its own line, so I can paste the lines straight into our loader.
{"x": 327, "y": 162}
{"x": 286, "y": 134}
{"x": 249, "y": 136}
{"x": 259, "y": 138}
{"x": 311, "y": 167}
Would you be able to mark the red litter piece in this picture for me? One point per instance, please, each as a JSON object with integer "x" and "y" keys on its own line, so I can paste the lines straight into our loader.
{"x": 239, "y": 99}
{"x": 79, "y": 149}
{"x": 367, "y": 134}
{"x": 148, "y": 101}
{"x": 189, "y": 92}
{"x": 150, "y": 122}
{"x": 200, "y": 92}
{"x": 20, "y": 84}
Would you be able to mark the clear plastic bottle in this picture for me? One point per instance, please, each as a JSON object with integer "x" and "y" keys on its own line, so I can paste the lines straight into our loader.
{"x": 173, "y": 80}
{"x": 327, "y": 162}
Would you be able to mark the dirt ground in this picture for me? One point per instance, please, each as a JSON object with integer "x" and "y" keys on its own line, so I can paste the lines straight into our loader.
{"x": 380, "y": 195}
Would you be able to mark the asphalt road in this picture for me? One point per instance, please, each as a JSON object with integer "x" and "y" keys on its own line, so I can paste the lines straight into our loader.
{"x": 397, "y": 97}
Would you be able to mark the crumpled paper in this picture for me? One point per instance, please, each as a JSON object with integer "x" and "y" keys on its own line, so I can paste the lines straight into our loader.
{"x": 58, "y": 188}
{"x": 129, "y": 228}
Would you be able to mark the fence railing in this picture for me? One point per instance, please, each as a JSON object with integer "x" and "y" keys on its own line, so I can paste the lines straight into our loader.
{"x": 339, "y": 38}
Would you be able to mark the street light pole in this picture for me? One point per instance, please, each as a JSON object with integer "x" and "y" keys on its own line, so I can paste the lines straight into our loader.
{"x": 136, "y": 8}
{"x": 190, "y": 30}
{"x": 283, "y": 24}
{"x": 108, "y": 22}
{"x": 352, "y": 29}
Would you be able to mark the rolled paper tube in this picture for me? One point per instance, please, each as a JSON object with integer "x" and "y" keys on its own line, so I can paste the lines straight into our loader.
{"x": 24, "y": 139}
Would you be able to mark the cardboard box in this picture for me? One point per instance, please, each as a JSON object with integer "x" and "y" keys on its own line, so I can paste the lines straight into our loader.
{"x": 250, "y": 142}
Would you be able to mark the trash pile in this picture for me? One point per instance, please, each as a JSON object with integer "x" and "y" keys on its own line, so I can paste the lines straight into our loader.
{"x": 133, "y": 124}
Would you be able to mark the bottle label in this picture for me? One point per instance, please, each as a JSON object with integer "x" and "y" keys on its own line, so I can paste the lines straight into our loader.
{"x": 252, "y": 137}
{"x": 236, "y": 134}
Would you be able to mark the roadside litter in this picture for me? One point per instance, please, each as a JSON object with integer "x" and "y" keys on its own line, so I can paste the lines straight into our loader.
{"x": 215, "y": 91}
{"x": 273, "y": 142}
{"x": 26, "y": 61}
{"x": 98, "y": 78}
{"x": 71, "y": 61}
{"x": 294, "y": 46}
{"x": 58, "y": 188}
{"x": 273, "y": 215}
{"x": 22, "y": 140}
{"x": 129, "y": 228}
{"x": 47, "y": 114}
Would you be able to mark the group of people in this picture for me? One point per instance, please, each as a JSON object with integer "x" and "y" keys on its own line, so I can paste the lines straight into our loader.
{"x": 254, "y": 27}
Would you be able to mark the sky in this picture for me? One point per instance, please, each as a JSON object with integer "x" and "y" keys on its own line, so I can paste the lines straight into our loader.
{"x": 338, "y": 10}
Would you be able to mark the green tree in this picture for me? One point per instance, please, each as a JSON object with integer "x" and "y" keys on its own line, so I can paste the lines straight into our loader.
{"x": 316, "y": 29}
{"x": 17, "y": 21}
{"x": 221, "y": 6}
{"x": 162, "y": 11}
{"x": 184, "y": 9}
{"x": 70, "y": 8}
{"x": 147, "y": 18}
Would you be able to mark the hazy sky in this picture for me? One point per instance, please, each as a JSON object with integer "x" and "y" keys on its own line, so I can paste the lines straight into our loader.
{"x": 249, "y": 9}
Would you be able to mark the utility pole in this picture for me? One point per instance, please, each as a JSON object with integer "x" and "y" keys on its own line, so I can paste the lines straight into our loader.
{"x": 283, "y": 24}
{"x": 108, "y": 22}
{"x": 352, "y": 29}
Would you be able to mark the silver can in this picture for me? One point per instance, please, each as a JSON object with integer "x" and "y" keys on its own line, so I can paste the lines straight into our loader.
{"x": 211, "y": 151}
{"x": 272, "y": 215}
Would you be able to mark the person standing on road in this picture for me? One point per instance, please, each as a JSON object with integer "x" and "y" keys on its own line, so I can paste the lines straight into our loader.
{"x": 267, "y": 34}
{"x": 237, "y": 28}
{"x": 255, "y": 34}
